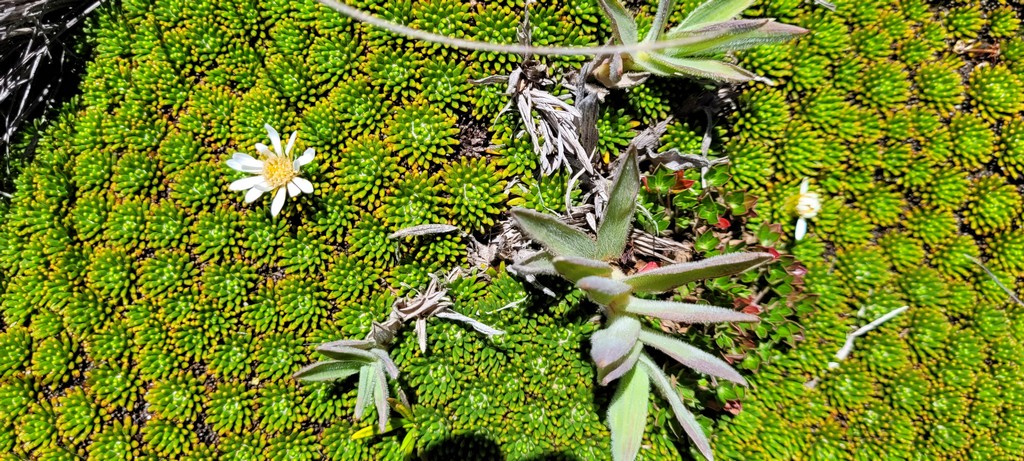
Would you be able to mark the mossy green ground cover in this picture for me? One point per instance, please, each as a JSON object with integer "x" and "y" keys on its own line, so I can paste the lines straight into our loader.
{"x": 148, "y": 312}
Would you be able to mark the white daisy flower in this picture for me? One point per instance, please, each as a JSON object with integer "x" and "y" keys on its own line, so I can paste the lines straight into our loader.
{"x": 276, "y": 172}
{"x": 808, "y": 204}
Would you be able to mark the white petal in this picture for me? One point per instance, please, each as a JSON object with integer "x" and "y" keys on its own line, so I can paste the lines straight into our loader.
{"x": 263, "y": 149}
{"x": 246, "y": 183}
{"x": 245, "y": 163}
{"x": 293, "y": 190}
{"x": 275, "y": 139}
{"x": 291, "y": 143}
{"x": 264, "y": 186}
{"x": 275, "y": 207}
{"x": 801, "y": 228}
{"x": 252, "y": 195}
{"x": 305, "y": 158}
{"x": 304, "y": 185}
{"x": 805, "y": 186}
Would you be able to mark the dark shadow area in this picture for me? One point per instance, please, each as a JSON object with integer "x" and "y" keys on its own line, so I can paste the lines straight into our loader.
{"x": 475, "y": 447}
{"x": 465, "y": 447}
{"x": 42, "y": 59}
{"x": 556, "y": 456}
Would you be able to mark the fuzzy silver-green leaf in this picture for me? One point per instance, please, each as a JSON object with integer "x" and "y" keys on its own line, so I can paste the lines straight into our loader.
{"x": 713, "y": 11}
{"x": 623, "y": 24}
{"x": 611, "y": 344}
{"x": 669, "y": 277}
{"x": 557, "y": 237}
{"x": 609, "y": 293}
{"x": 618, "y": 216}
{"x": 627, "y": 414}
{"x": 735, "y": 35}
{"x": 380, "y": 396}
{"x": 573, "y": 269}
{"x": 691, "y": 356}
{"x": 686, "y": 312}
{"x": 683, "y": 415}
{"x": 614, "y": 371}
{"x": 365, "y": 393}
{"x": 331, "y": 370}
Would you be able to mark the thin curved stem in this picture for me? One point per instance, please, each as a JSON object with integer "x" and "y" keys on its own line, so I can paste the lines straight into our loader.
{"x": 477, "y": 45}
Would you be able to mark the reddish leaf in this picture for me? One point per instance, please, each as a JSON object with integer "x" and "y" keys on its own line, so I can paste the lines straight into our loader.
{"x": 649, "y": 267}
{"x": 724, "y": 224}
{"x": 752, "y": 309}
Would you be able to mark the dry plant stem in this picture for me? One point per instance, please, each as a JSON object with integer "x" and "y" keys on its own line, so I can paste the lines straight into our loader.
{"x": 475, "y": 45}
{"x": 1012, "y": 295}
{"x": 847, "y": 348}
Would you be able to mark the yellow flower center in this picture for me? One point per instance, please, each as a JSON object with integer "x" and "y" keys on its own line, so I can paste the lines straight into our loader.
{"x": 278, "y": 171}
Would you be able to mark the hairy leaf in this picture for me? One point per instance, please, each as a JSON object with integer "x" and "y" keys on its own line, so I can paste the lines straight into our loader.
{"x": 686, "y": 312}
{"x": 618, "y": 216}
{"x": 574, "y": 269}
{"x": 607, "y": 292}
{"x": 614, "y": 371}
{"x": 385, "y": 360}
{"x": 331, "y": 370}
{"x": 660, "y": 17}
{"x": 345, "y": 353}
{"x": 669, "y": 277}
{"x": 683, "y": 415}
{"x": 614, "y": 342}
{"x": 423, "y": 229}
{"x": 363, "y": 344}
{"x": 627, "y": 414}
{"x": 661, "y": 64}
{"x": 734, "y": 36}
{"x": 623, "y": 25}
{"x": 380, "y": 395}
{"x": 557, "y": 237}
{"x": 691, "y": 356}
{"x": 539, "y": 263}
{"x": 365, "y": 393}
{"x": 713, "y": 11}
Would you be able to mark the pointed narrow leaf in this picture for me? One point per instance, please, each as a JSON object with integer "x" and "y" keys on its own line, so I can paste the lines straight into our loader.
{"x": 539, "y": 263}
{"x": 331, "y": 370}
{"x": 421, "y": 333}
{"x": 618, "y": 216}
{"x": 691, "y": 356}
{"x": 607, "y": 292}
{"x": 423, "y": 229}
{"x": 380, "y": 395}
{"x": 713, "y": 11}
{"x": 370, "y": 431}
{"x": 614, "y": 342}
{"x": 557, "y": 237}
{"x": 616, "y": 370}
{"x": 660, "y": 17}
{"x": 734, "y": 36}
{"x": 623, "y": 24}
{"x": 385, "y": 360}
{"x": 669, "y": 277}
{"x": 686, "y": 312}
{"x": 365, "y": 394}
{"x": 627, "y": 414}
{"x": 474, "y": 323}
{"x": 345, "y": 353}
{"x": 574, "y": 269}
{"x": 710, "y": 69}
{"x": 683, "y": 415}
{"x": 363, "y": 344}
